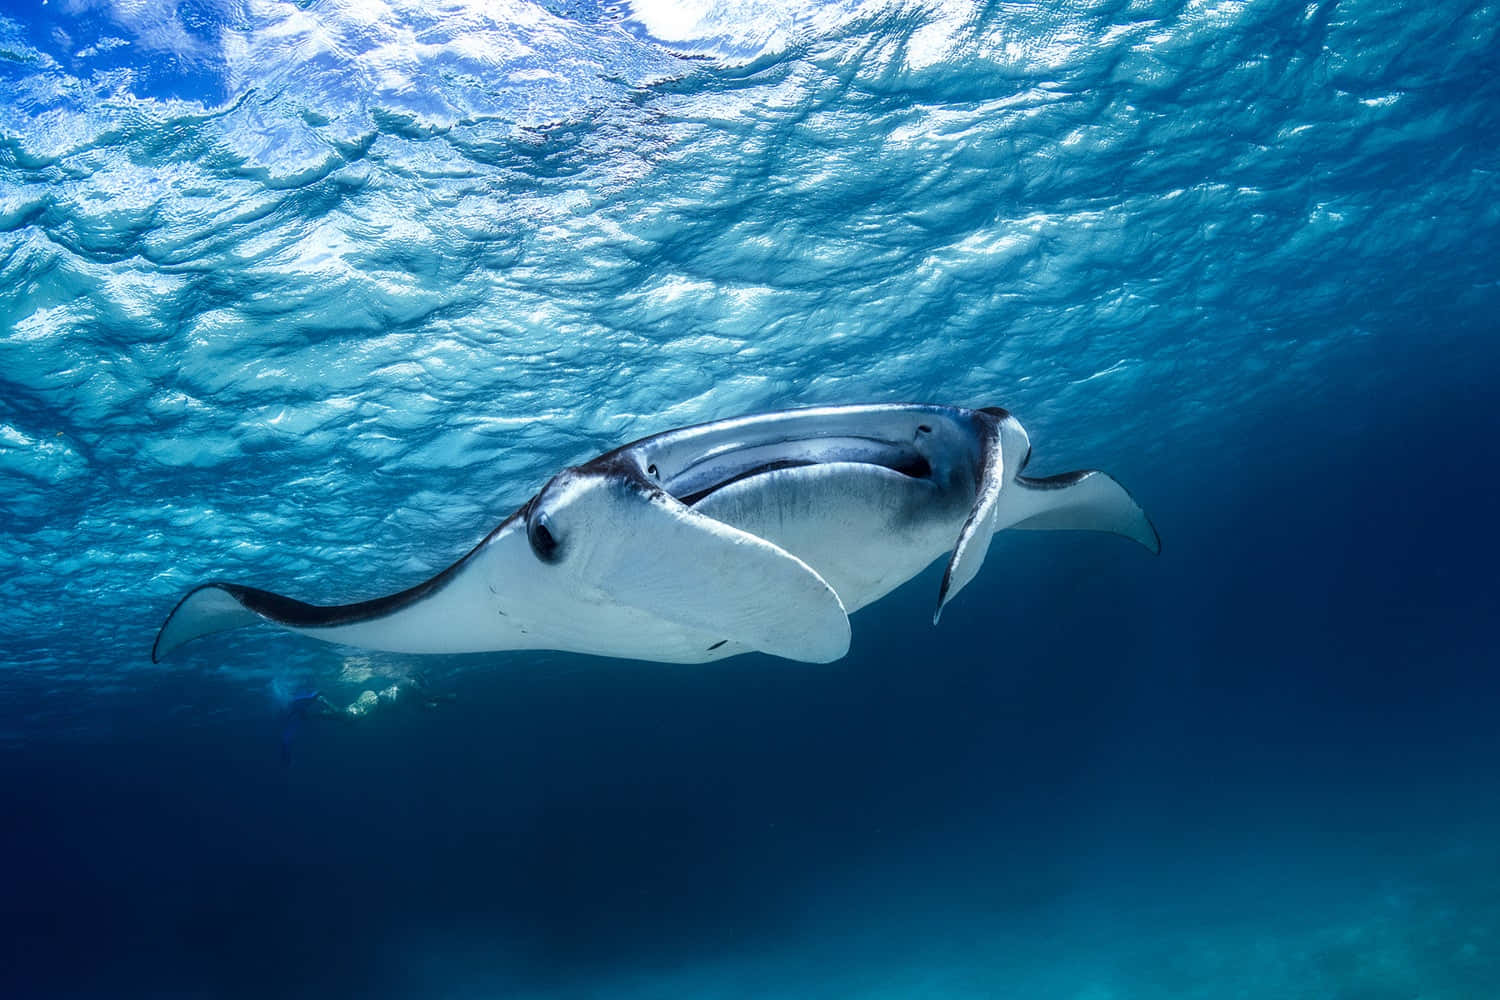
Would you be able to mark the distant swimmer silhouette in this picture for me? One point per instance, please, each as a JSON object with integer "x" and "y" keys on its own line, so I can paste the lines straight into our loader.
{"x": 300, "y": 708}
{"x": 757, "y": 533}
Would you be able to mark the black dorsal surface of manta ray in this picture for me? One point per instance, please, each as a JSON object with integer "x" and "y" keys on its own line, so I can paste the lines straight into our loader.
{"x": 758, "y": 533}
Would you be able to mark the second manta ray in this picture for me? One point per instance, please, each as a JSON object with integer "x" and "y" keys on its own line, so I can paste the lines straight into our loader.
{"x": 759, "y": 533}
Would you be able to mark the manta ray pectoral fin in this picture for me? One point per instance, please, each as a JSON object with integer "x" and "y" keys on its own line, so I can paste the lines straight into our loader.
{"x": 219, "y": 606}
{"x": 974, "y": 537}
{"x": 1083, "y": 501}
{"x": 1086, "y": 501}
{"x": 212, "y": 607}
{"x": 689, "y": 569}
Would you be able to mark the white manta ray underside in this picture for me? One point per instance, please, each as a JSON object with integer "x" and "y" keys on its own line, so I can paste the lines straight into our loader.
{"x": 759, "y": 533}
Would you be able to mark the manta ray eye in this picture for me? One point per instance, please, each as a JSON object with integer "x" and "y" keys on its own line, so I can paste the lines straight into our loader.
{"x": 539, "y": 534}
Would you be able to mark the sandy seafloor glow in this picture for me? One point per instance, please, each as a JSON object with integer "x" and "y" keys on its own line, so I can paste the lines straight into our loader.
{"x": 311, "y": 294}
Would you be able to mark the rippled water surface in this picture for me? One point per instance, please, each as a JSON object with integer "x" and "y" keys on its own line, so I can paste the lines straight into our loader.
{"x": 311, "y": 294}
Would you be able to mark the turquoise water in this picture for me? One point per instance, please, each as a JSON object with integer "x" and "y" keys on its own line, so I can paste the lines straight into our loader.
{"x": 311, "y": 295}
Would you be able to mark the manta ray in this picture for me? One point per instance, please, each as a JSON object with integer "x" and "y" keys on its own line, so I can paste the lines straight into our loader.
{"x": 761, "y": 533}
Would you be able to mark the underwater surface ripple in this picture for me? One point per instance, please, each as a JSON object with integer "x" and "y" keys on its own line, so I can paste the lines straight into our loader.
{"x": 415, "y": 252}
{"x": 312, "y": 294}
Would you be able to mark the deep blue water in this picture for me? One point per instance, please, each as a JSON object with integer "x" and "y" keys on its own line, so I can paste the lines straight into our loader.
{"x": 311, "y": 295}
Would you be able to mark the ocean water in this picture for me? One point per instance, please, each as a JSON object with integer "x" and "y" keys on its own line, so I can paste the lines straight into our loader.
{"x": 310, "y": 294}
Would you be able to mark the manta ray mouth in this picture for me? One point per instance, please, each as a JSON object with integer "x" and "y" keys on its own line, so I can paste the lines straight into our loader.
{"x": 907, "y": 463}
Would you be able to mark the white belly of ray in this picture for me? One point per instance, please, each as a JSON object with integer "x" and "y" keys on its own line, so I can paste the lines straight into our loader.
{"x": 482, "y": 610}
{"x": 865, "y": 529}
